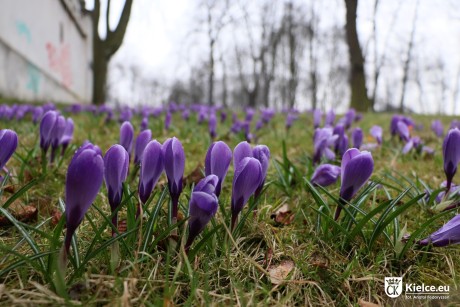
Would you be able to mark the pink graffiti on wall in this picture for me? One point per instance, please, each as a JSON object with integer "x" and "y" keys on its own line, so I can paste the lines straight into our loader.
{"x": 59, "y": 62}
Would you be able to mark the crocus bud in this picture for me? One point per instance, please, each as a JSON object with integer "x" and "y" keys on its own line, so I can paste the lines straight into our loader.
{"x": 212, "y": 124}
{"x": 127, "y": 136}
{"x": 217, "y": 161}
{"x": 241, "y": 151}
{"x": 207, "y": 184}
{"x": 357, "y": 136}
{"x": 57, "y": 134}
{"x": 325, "y": 175}
{"x": 330, "y": 118}
{"x": 323, "y": 139}
{"x": 141, "y": 141}
{"x": 168, "y": 118}
{"x": 83, "y": 181}
{"x": 68, "y": 134}
{"x": 317, "y": 114}
{"x": 202, "y": 207}
{"x": 174, "y": 161}
{"x": 437, "y": 128}
{"x": 46, "y": 129}
{"x": 116, "y": 162}
{"x": 8, "y": 145}
{"x": 403, "y": 131}
{"x": 262, "y": 153}
{"x": 451, "y": 154}
{"x": 356, "y": 169}
{"x": 446, "y": 235}
{"x": 151, "y": 168}
{"x": 144, "y": 123}
{"x": 377, "y": 132}
{"x": 247, "y": 178}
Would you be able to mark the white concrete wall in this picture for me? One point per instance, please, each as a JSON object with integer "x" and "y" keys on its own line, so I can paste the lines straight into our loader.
{"x": 44, "y": 53}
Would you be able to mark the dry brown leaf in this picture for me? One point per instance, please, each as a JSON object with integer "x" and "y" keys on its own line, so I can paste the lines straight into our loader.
{"x": 23, "y": 213}
{"x": 363, "y": 303}
{"x": 283, "y": 215}
{"x": 279, "y": 273}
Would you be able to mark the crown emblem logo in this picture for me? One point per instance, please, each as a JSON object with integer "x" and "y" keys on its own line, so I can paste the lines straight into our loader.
{"x": 393, "y": 286}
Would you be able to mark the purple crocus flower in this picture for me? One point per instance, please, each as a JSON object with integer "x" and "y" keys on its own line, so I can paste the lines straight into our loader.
{"x": 447, "y": 235}
{"x": 403, "y": 131}
{"x": 186, "y": 114}
{"x": 247, "y": 178}
{"x": 437, "y": 128}
{"x": 68, "y": 135}
{"x": 8, "y": 145}
{"x": 83, "y": 181}
{"x": 46, "y": 129}
{"x": 262, "y": 153}
{"x": 223, "y": 116}
{"x": 414, "y": 142}
{"x": 37, "y": 114}
{"x": 322, "y": 140}
{"x": 356, "y": 169}
{"x": 152, "y": 165}
{"x": 317, "y": 114}
{"x": 174, "y": 161}
{"x": 341, "y": 143}
{"x": 451, "y": 154}
{"x": 202, "y": 207}
{"x": 357, "y": 136}
{"x": 330, "y": 118}
{"x": 116, "y": 162}
{"x": 144, "y": 123}
{"x": 168, "y": 119}
{"x": 212, "y": 124}
{"x": 290, "y": 119}
{"x": 217, "y": 161}
{"x": 325, "y": 175}
{"x": 57, "y": 134}
{"x": 127, "y": 136}
{"x": 377, "y": 133}
{"x": 141, "y": 141}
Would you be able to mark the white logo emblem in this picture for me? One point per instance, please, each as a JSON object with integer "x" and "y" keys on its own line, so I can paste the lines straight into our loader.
{"x": 393, "y": 286}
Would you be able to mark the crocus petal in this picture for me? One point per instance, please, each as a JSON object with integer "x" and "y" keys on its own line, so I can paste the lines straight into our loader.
{"x": 141, "y": 141}
{"x": 241, "y": 151}
{"x": 116, "y": 161}
{"x": 446, "y": 235}
{"x": 151, "y": 168}
{"x": 325, "y": 175}
{"x": 248, "y": 176}
{"x": 8, "y": 145}
{"x": 217, "y": 161}
{"x": 356, "y": 171}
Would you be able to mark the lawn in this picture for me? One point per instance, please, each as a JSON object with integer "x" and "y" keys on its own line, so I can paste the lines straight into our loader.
{"x": 288, "y": 252}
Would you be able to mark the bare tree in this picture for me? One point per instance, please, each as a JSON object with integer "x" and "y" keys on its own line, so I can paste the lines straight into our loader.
{"x": 105, "y": 48}
{"x": 359, "y": 99}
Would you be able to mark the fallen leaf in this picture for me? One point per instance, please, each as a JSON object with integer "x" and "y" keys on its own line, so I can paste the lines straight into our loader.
{"x": 20, "y": 212}
{"x": 279, "y": 273}
{"x": 363, "y": 303}
{"x": 195, "y": 176}
{"x": 283, "y": 215}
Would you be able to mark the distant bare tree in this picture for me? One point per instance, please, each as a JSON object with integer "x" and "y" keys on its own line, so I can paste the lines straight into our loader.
{"x": 104, "y": 49}
{"x": 359, "y": 99}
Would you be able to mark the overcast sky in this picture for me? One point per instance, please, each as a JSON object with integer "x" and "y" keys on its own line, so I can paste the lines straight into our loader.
{"x": 157, "y": 38}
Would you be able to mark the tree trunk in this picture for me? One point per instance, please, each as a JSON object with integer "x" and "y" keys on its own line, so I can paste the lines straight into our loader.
{"x": 211, "y": 73}
{"x": 359, "y": 99}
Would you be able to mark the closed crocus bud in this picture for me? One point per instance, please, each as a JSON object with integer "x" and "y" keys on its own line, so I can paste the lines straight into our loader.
{"x": 247, "y": 178}
{"x": 437, "y": 128}
{"x": 116, "y": 162}
{"x": 262, "y": 153}
{"x": 141, "y": 141}
{"x": 174, "y": 161}
{"x": 46, "y": 129}
{"x": 212, "y": 124}
{"x": 357, "y": 136}
{"x": 127, "y": 136}
{"x": 202, "y": 207}
{"x": 83, "y": 181}
{"x": 448, "y": 234}
{"x": 325, "y": 175}
{"x": 451, "y": 154}
{"x": 322, "y": 140}
{"x": 217, "y": 161}
{"x": 168, "y": 119}
{"x": 57, "y": 134}
{"x": 8, "y": 145}
{"x": 241, "y": 151}
{"x": 68, "y": 135}
{"x": 144, "y": 123}
{"x": 330, "y": 118}
{"x": 356, "y": 169}
{"x": 377, "y": 133}
{"x": 403, "y": 131}
{"x": 317, "y": 114}
{"x": 152, "y": 165}
{"x": 207, "y": 184}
